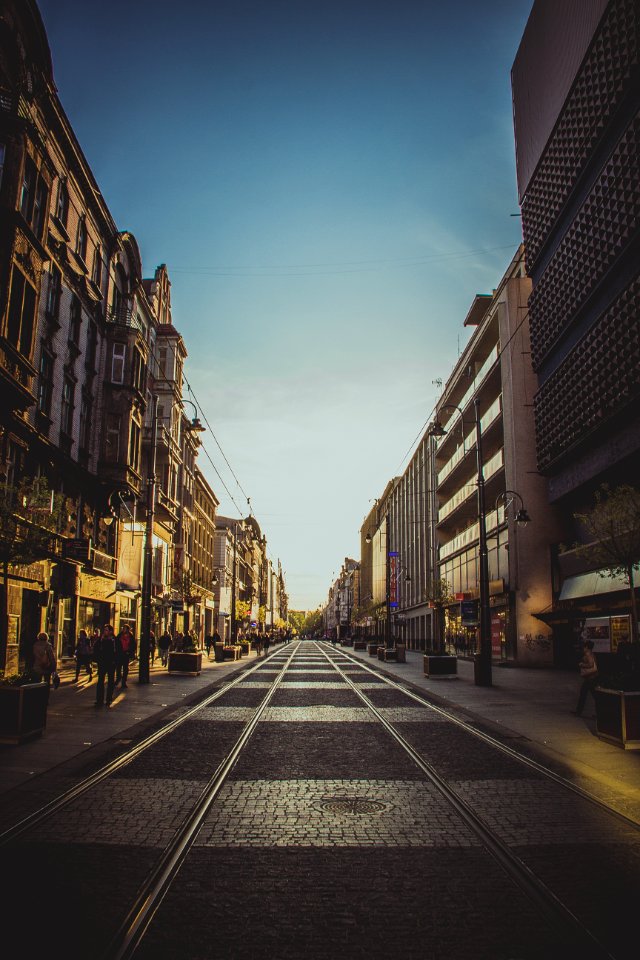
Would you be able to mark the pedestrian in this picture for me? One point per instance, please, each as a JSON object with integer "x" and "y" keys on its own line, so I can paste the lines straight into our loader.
{"x": 82, "y": 654}
{"x": 104, "y": 654}
{"x": 164, "y": 643}
{"x": 258, "y": 642}
{"x": 152, "y": 646}
{"x": 208, "y": 643}
{"x": 265, "y": 643}
{"x": 589, "y": 673}
{"x": 44, "y": 660}
{"x": 125, "y": 653}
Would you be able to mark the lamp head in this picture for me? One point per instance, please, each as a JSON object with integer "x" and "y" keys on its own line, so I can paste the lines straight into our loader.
{"x": 367, "y": 539}
{"x": 522, "y": 517}
{"x": 436, "y": 429}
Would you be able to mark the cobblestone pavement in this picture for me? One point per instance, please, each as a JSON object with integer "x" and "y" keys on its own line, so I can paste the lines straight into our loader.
{"x": 328, "y": 841}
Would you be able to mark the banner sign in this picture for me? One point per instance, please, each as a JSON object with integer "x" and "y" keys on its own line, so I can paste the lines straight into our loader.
{"x": 393, "y": 579}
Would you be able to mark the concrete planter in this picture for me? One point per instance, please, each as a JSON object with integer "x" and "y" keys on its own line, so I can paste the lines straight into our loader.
{"x": 440, "y": 666}
{"x": 372, "y": 649}
{"x": 359, "y": 644}
{"x": 189, "y": 664}
{"x": 618, "y": 717}
{"x": 23, "y": 712}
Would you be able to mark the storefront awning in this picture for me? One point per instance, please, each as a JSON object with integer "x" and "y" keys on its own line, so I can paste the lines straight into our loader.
{"x": 591, "y": 584}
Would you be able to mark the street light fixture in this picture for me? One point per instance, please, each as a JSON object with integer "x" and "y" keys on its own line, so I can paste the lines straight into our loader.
{"x": 522, "y": 518}
{"x": 482, "y": 662}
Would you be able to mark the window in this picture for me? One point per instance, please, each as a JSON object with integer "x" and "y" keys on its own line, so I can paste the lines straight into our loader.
{"x": 27, "y": 191}
{"x": 85, "y": 421}
{"x": 45, "y": 383}
{"x": 137, "y": 371}
{"x": 134, "y": 445}
{"x": 96, "y": 273}
{"x": 40, "y": 208}
{"x": 75, "y": 319}
{"x": 112, "y": 437}
{"x": 33, "y": 198}
{"x": 66, "y": 409}
{"x": 22, "y": 311}
{"x": 81, "y": 240}
{"x": 117, "y": 363}
{"x": 53, "y": 293}
{"x": 62, "y": 208}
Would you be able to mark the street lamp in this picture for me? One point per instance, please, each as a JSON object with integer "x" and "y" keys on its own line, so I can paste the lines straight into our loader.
{"x": 522, "y": 518}
{"x": 145, "y": 619}
{"x": 482, "y": 662}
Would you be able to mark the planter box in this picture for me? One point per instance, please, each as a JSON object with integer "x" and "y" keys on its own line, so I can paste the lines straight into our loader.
{"x": 185, "y": 663}
{"x": 618, "y": 717}
{"x": 218, "y": 652}
{"x": 441, "y": 666}
{"x": 232, "y": 652}
{"x": 359, "y": 644}
{"x": 372, "y": 649}
{"x": 397, "y": 653}
{"x": 23, "y": 712}
{"x": 244, "y": 649}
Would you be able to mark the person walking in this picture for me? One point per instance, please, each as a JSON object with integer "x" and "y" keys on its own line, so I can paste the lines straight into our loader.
{"x": 266, "y": 643}
{"x": 104, "y": 654}
{"x": 589, "y": 673}
{"x": 125, "y": 652}
{"x": 44, "y": 660}
{"x": 164, "y": 644}
{"x": 152, "y": 646}
{"x": 82, "y": 654}
{"x": 208, "y": 643}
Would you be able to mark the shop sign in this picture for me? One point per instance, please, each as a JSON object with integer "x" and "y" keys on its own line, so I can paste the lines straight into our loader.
{"x": 597, "y": 629}
{"x": 469, "y": 612}
{"x": 620, "y": 631}
{"x": 496, "y": 635}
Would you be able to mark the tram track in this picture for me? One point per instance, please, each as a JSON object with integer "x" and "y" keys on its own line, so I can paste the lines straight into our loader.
{"x": 159, "y": 874}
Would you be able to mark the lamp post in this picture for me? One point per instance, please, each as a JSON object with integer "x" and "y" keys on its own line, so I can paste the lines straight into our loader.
{"x": 522, "y": 518}
{"x": 145, "y": 619}
{"x": 482, "y": 662}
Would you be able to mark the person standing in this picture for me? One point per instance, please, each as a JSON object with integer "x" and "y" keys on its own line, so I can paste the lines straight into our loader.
{"x": 44, "y": 659}
{"x": 152, "y": 646}
{"x": 104, "y": 653}
{"x": 589, "y": 673}
{"x": 83, "y": 655}
{"x": 125, "y": 652}
{"x": 266, "y": 643}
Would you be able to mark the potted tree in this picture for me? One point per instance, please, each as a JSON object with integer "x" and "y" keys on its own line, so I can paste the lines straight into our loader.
{"x": 612, "y": 529}
{"x": 23, "y": 708}
{"x": 437, "y": 663}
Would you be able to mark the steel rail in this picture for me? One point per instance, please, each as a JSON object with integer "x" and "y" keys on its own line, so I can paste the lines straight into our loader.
{"x": 133, "y": 928}
{"x": 557, "y": 913}
{"x": 78, "y": 789}
{"x": 487, "y": 738}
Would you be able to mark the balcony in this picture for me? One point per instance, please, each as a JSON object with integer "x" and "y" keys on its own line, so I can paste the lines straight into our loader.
{"x": 464, "y": 493}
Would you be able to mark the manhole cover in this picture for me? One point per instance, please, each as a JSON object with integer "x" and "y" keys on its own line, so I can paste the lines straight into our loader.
{"x": 357, "y": 806}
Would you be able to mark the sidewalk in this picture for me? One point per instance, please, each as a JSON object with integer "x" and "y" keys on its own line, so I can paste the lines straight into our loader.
{"x": 528, "y": 708}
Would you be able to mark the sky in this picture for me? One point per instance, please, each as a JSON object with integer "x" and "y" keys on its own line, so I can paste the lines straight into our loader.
{"x": 329, "y": 184}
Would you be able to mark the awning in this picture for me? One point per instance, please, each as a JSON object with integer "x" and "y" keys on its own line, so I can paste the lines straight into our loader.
{"x": 591, "y": 584}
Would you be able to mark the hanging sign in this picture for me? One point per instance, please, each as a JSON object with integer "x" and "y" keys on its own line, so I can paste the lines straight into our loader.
{"x": 393, "y": 579}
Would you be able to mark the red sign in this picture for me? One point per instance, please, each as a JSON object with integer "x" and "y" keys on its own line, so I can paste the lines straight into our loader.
{"x": 496, "y": 636}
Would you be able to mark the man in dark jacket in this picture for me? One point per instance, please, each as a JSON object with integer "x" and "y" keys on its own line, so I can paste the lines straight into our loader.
{"x": 125, "y": 653}
{"x": 104, "y": 653}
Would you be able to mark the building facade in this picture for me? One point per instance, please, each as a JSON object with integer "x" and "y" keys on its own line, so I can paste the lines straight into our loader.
{"x": 576, "y": 97}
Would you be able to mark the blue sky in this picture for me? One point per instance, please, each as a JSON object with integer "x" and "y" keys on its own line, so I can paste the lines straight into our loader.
{"x": 329, "y": 184}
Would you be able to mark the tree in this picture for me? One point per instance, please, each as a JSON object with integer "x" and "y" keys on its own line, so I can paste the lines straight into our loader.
{"x": 613, "y": 526}
{"x": 438, "y": 594}
{"x": 30, "y": 517}
{"x": 297, "y": 619}
{"x": 312, "y": 622}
